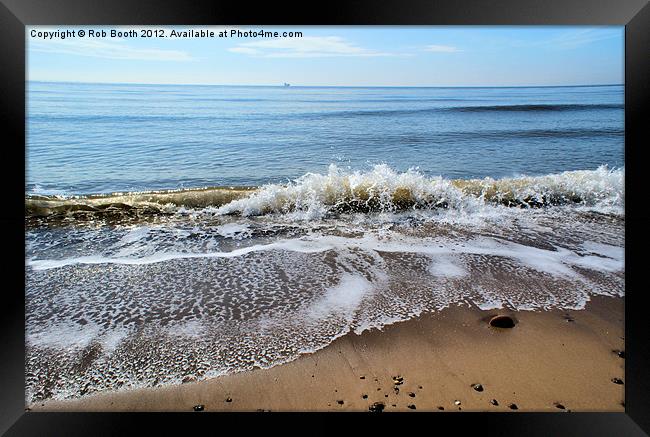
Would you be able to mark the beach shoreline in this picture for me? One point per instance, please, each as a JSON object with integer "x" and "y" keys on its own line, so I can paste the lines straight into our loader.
{"x": 555, "y": 360}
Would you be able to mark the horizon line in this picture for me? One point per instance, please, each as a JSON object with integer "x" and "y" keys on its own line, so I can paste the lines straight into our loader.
{"x": 326, "y": 86}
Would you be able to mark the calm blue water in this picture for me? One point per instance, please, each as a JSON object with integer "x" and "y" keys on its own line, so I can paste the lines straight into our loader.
{"x": 92, "y": 138}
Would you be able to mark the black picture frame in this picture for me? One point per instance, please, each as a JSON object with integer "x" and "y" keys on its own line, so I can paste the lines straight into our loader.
{"x": 16, "y": 14}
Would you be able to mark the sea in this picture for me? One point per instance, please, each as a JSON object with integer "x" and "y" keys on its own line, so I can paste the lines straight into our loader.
{"x": 183, "y": 232}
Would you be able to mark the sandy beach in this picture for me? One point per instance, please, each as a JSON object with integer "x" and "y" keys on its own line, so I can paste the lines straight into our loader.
{"x": 450, "y": 360}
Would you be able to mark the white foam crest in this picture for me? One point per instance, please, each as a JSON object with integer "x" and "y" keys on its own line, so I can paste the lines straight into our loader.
{"x": 314, "y": 195}
{"x": 602, "y": 187}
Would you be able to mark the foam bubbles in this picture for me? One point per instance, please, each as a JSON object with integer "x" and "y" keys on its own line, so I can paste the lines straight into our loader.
{"x": 139, "y": 306}
{"x": 446, "y": 267}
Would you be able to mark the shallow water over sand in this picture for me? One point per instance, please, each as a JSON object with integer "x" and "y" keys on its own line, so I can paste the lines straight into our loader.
{"x": 185, "y": 297}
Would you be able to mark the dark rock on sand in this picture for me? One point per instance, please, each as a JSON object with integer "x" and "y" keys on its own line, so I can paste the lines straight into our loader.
{"x": 228, "y": 399}
{"x": 621, "y": 354}
{"x": 477, "y": 387}
{"x": 199, "y": 407}
{"x": 411, "y": 406}
{"x": 617, "y": 381}
{"x": 559, "y": 405}
{"x": 364, "y": 396}
{"x": 412, "y": 394}
{"x": 502, "y": 321}
{"x": 362, "y": 377}
{"x": 513, "y": 407}
{"x": 441, "y": 408}
{"x": 377, "y": 407}
{"x": 189, "y": 378}
{"x": 340, "y": 402}
{"x": 494, "y": 402}
{"x": 398, "y": 380}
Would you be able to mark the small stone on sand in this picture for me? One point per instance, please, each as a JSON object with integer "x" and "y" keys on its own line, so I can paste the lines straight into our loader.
{"x": 477, "y": 387}
{"x": 501, "y": 321}
{"x": 513, "y": 407}
{"x": 411, "y": 406}
{"x": 559, "y": 405}
{"x": 377, "y": 407}
{"x": 617, "y": 381}
{"x": 494, "y": 402}
{"x": 188, "y": 378}
{"x": 199, "y": 407}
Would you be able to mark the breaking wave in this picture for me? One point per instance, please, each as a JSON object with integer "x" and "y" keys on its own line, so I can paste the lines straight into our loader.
{"x": 339, "y": 191}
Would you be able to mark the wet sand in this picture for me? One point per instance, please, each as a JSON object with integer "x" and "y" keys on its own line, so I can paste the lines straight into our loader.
{"x": 549, "y": 361}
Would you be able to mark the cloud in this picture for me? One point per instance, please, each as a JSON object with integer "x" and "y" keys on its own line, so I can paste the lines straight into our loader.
{"x": 441, "y": 49}
{"x": 103, "y": 48}
{"x": 305, "y": 47}
{"x": 577, "y": 38}
{"x": 570, "y": 39}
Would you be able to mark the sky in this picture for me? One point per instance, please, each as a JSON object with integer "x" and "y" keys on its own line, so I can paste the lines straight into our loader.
{"x": 333, "y": 56}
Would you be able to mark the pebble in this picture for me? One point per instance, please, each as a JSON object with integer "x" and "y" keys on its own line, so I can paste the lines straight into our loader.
{"x": 456, "y": 402}
{"x": 199, "y": 407}
{"x": 513, "y": 407}
{"x": 340, "y": 402}
{"x": 494, "y": 402}
{"x": 377, "y": 407}
{"x": 411, "y": 406}
{"x": 559, "y": 405}
{"x": 617, "y": 381}
{"x": 228, "y": 399}
{"x": 189, "y": 378}
{"x": 501, "y": 321}
{"x": 477, "y": 387}
{"x": 412, "y": 394}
